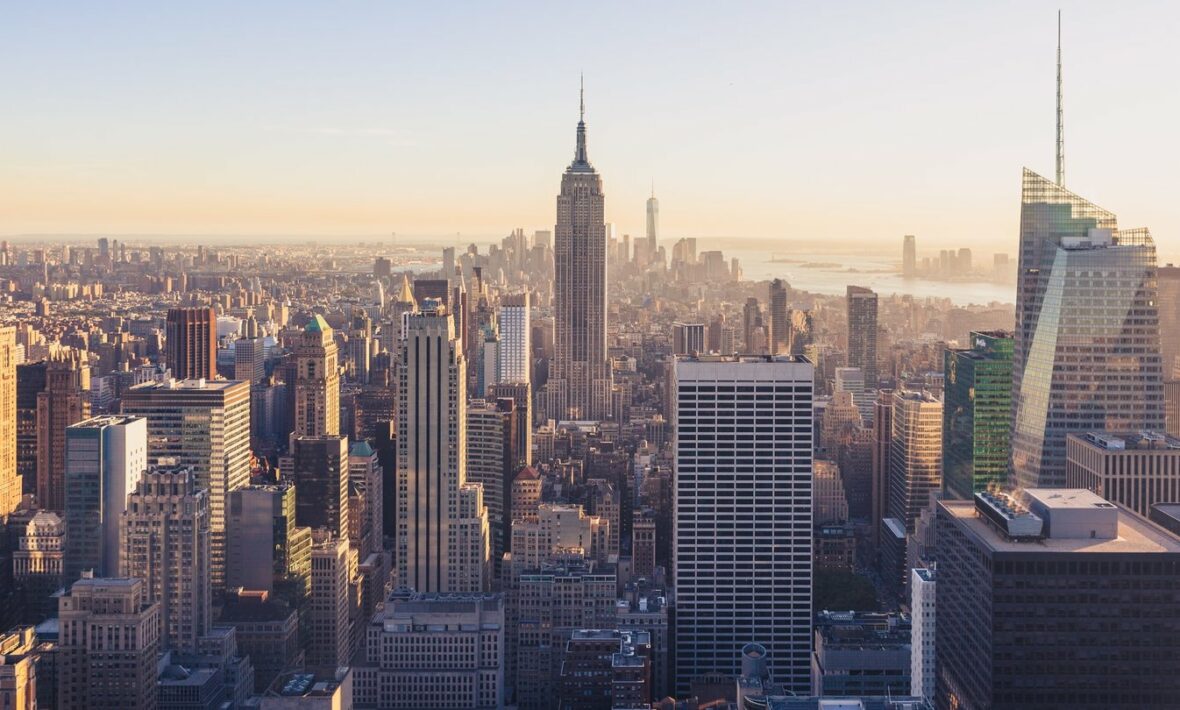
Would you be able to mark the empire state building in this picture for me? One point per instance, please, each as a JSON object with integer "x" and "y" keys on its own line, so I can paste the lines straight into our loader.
{"x": 580, "y": 383}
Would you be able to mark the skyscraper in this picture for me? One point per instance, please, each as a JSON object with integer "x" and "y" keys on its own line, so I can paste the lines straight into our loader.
{"x": 320, "y": 472}
{"x": 205, "y": 427}
{"x": 653, "y": 224}
{"x": 909, "y": 256}
{"x": 441, "y": 517}
{"x": 751, "y": 325}
{"x": 977, "y": 414}
{"x": 64, "y": 401}
{"x": 105, "y": 458}
{"x": 10, "y": 483}
{"x": 164, "y": 539}
{"x": 1015, "y": 628}
{"x": 862, "y": 333}
{"x": 30, "y": 383}
{"x": 688, "y": 338}
{"x": 266, "y": 551}
{"x": 579, "y": 260}
{"x": 317, "y": 381}
{"x": 515, "y": 357}
{"x": 327, "y": 618}
{"x": 745, "y": 499}
{"x": 192, "y": 343}
{"x": 882, "y": 444}
{"x": 779, "y": 340}
{"x": 915, "y": 455}
{"x": 1087, "y": 349}
{"x": 491, "y": 462}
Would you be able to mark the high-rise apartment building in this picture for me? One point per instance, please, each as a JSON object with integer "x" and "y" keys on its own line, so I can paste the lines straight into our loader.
{"x": 862, "y": 332}
{"x": 320, "y": 473}
{"x": 191, "y": 342}
{"x": 108, "y": 645}
{"x": 977, "y": 414}
{"x": 10, "y": 482}
{"x": 317, "y": 381}
{"x": 915, "y": 454}
{"x": 441, "y": 518}
{"x": 1014, "y": 631}
{"x": 105, "y": 458}
{"x": 165, "y": 542}
{"x": 1086, "y": 355}
{"x": 64, "y": 401}
{"x": 779, "y": 338}
{"x": 580, "y": 367}
{"x": 434, "y": 650}
{"x": 515, "y": 359}
{"x": 909, "y": 256}
{"x": 1135, "y": 469}
{"x": 743, "y": 428}
{"x": 203, "y": 426}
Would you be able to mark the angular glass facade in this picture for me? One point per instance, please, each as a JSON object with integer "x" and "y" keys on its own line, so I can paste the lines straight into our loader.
{"x": 977, "y": 414}
{"x": 1087, "y": 346}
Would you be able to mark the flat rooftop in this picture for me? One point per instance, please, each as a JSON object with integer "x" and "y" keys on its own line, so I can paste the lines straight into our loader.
{"x": 1128, "y": 441}
{"x": 1134, "y": 534}
{"x": 104, "y": 420}
{"x": 172, "y": 385}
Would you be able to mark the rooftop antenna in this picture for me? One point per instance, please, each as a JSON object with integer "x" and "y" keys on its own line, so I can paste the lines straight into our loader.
{"x": 582, "y": 90}
{"x": 1060, "y": 117}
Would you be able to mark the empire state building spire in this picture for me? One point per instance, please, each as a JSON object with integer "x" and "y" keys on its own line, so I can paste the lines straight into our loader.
{"x": 581, "y": 161}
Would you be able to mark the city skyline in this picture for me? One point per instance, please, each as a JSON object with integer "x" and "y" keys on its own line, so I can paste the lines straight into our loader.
{"x": 232, "y": 145}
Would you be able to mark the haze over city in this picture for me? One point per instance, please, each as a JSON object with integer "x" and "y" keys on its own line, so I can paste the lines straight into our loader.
{"x": 850, "y": 122}
{"x": 390, "y": 356}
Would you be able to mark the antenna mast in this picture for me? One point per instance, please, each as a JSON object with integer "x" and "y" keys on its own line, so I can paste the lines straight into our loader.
{"x": 1060, "y": 115}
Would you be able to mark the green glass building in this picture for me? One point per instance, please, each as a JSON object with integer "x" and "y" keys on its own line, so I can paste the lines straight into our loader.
{"x": 977, "y": 414}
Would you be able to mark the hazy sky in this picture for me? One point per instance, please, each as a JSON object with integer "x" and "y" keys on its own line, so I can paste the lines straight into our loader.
{"x": 827, "y": 121}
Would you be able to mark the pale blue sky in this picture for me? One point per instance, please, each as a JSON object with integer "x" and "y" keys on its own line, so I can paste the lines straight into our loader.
{"x": 835, "y": 121}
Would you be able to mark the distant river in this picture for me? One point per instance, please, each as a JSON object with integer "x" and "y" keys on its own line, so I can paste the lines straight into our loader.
{"x": 830, "y": 274}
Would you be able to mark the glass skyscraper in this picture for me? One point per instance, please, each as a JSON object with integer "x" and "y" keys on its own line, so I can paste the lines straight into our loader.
{"x": 977, "y": 414}
{"x": 1087, "y": 346}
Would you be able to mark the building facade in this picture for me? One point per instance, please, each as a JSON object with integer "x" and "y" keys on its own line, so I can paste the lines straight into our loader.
{"x": 1135, "y": 469}
{"x": 191, "y": 343}
{"x": 977, "y": 414}
{"x": 743, "y": 426}
{"x": 105, "y": 458}
{"x": 1013, "y": 631}
{"x": 862, "y": 332}
{"x": 580, "y": 369}
{"x": 440, "y": 521}
{"x": 915, "y": 455}
{"x": 203, "y": 426}
{"x": 317, "y": 381}
{"x": 1086, "y": 355}
{"x": 165, "y": 543}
